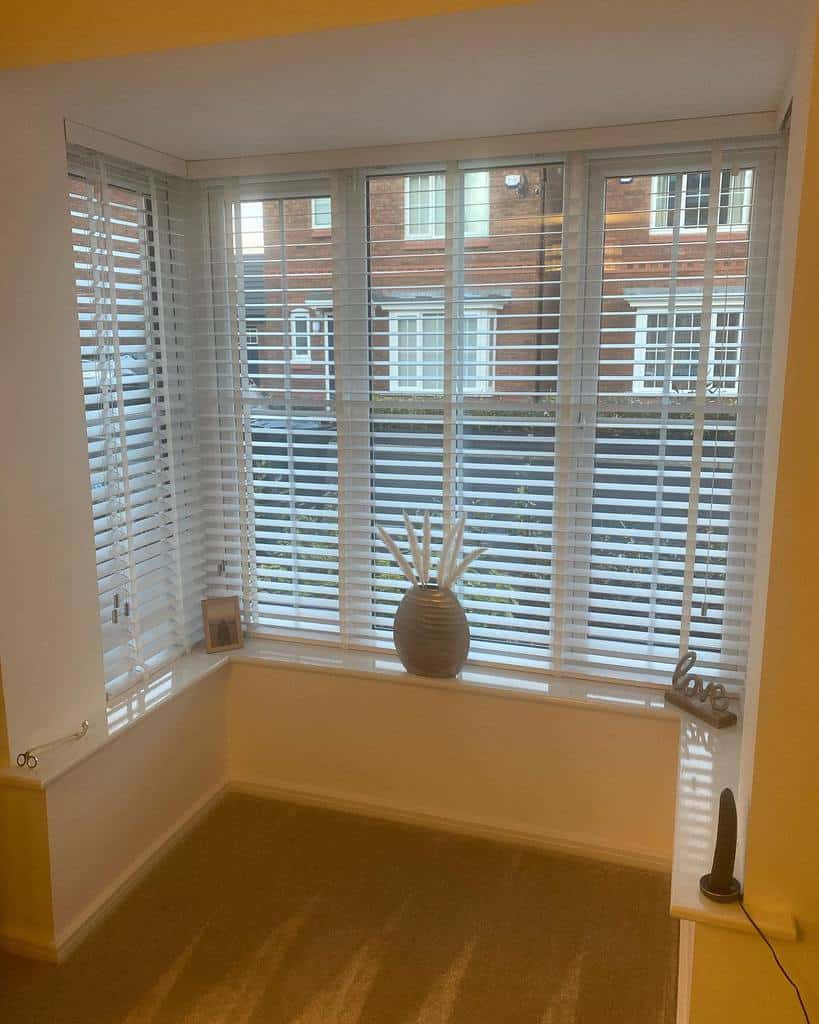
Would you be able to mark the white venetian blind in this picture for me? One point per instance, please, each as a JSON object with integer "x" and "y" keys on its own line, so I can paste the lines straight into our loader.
{"x": 671, "y": 401}
{"x": 266, "y": 385}
{"x": 132, "y": 307}
{"x": 574, "y": 354}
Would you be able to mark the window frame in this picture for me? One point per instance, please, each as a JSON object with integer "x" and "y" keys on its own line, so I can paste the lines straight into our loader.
{"x": 437, "y": 193}
{"x": 317, "y": 216}
{"x": 647, "y": 305}
{"x": 579, "y": 319}
{"x": 485, "y": 313}
{"x": 297, "y": 316}
{"x": 657, "y": 212}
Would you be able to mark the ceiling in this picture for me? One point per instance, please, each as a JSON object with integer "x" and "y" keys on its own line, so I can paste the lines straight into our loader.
{"x": 534, "y": 67}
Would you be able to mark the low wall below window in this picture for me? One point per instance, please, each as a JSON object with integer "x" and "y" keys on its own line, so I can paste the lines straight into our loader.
{"x": 586, "y": 779}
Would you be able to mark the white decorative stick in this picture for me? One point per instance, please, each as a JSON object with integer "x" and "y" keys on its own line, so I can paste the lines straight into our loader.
{"x": 464, "y": 565}
{"x": 417, "y": 563}
{"x": 443, "y": 553}
{"x": 453, "y": 550}
{"x": 425, "y": 557}
{"x": 403, "y": 564}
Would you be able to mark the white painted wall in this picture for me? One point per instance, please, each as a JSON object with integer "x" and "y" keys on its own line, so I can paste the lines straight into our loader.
{"x": 115, "y": 809}
{"x": 591, "y": 779}
{"x": 49, "y": 625}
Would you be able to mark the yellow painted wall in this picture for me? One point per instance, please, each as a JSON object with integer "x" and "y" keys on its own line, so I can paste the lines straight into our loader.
{"x": 50, "y": 31}
{"x": 735, "y": 979}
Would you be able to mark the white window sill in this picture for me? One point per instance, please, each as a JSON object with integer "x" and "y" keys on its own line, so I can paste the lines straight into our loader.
{"x": 127, "y": 708}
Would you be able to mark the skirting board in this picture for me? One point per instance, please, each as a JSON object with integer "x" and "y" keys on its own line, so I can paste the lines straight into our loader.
{"x": 555, "y": 842}
{"x": 685, "y": 971}
{"x": 55, "y": 951}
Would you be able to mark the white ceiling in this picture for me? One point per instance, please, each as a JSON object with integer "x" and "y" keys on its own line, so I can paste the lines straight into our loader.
{"x": 533, "y": 67}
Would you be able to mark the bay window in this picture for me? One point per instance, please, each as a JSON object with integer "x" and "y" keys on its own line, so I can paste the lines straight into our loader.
{"x": 573, "y": 353}
{"x": 142, "y": 447}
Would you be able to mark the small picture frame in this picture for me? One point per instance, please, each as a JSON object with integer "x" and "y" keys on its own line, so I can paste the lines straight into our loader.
{"x": 222, "y": 621}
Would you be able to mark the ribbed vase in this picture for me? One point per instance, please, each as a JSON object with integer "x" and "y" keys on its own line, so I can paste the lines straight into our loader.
{"x": 431, "y": 633}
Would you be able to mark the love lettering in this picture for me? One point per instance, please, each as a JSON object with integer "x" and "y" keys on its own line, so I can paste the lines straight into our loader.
{"x": 693, "y": 686}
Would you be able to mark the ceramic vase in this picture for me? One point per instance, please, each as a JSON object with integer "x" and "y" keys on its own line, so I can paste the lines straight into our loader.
{"x": 431, "y": 633}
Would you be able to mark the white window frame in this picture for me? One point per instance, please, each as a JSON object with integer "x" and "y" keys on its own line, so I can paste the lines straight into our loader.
{"x": 485, "y": 313}
{"x": 658, "y": 303}
{"x": 297, "y": 355}
{"x": 321, "y": 218}
{"x": 476, "y": 194}
{"x": 740, "y": 199}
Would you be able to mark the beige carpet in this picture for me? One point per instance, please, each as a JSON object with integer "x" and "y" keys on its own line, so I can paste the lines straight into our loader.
{"x": 273, "y": 913}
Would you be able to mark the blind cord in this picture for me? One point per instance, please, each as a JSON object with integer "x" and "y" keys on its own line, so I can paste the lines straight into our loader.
{"x": 778, "y": 962}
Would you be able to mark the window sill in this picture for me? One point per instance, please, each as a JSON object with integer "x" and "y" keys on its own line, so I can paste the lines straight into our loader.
{"x": 515, "y": 684}
{"x": 127, "y": 708}
{"x": 708, "y": 762}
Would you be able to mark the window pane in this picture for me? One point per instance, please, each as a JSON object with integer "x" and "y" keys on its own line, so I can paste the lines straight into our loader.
{"x": 322, "y": 217}
{"x": 726, "y": 345}
{"x": 476, "y": 203}
{"x": 300, "y": 335}
{"x": 290, "y": 426}
{"x": 695, "y": 203}
{"x": 408, "y": 368}
{"x": 645, "y": 583}
{"x": 432, "y": 354}
{"x": 425, "y": 198}
{"x": 470, "y": 353}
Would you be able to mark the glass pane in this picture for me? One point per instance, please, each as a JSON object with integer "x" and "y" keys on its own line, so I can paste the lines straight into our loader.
{"x": 290, "y": 425}
{"x": 695, "y": 202}
{"x": 408, "y": 353}
{"x": 476, "y": 203}
{"x": 637, "y": 458}
{"x": 726, "y": 349}
{"x": 433, "y": 353}
{"x": 322, "y": 217}
{"x": 470, "y": 353}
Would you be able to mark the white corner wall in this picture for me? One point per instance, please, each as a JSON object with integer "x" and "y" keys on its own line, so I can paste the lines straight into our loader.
{"x": 49, "y": 621}
{"x": 111, "y": 813}
{"x": 581, "y": 779}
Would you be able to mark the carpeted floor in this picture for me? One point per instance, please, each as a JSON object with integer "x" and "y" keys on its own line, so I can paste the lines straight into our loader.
{"x": 269, "y": 913}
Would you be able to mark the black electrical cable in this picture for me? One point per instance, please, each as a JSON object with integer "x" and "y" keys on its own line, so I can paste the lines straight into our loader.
{"x": 767, "y": 942}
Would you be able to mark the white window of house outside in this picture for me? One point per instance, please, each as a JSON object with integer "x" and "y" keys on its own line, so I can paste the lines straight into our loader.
{"x": 321, "y": 213}
{"x": 660, "y": 360}
{"x": 425, "y": 205}
{"x": 417, "y": 349}
{"x": 251, "y": 217}
{"x": 300, "y": 348}
{"x": 691, "y": 191}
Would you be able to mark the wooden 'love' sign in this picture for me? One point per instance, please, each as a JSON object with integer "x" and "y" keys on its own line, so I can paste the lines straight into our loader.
{"x": 688, "y": 692}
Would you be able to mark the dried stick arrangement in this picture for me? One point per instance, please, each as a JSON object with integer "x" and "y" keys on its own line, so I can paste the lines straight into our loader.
{"x": 417, "y": 570}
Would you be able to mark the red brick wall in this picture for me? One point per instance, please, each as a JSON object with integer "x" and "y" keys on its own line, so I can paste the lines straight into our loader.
{"x": 520, "y": 257}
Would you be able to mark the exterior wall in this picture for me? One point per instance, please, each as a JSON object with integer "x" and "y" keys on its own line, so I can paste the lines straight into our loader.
{"x": 517, "y": 266}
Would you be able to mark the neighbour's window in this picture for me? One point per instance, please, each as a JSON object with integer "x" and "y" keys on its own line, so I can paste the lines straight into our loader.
{"x": 692, "y": 192}
{"x": 671, "y": 358}
{"x": 321, "y": 213}
{"x": 300, "y": 336}
{"x": 417, "y": 351}
{"x": 425, "y": 205}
